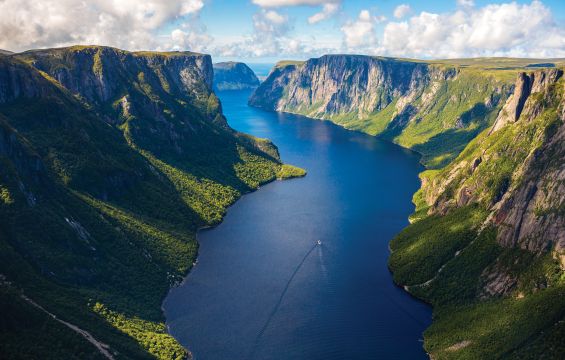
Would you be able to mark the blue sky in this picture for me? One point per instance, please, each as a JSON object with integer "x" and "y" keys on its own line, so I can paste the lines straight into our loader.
{"x": 269, "y": 30}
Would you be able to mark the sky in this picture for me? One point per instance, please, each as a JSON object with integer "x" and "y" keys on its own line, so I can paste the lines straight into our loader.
{"x": 269, "y": 30}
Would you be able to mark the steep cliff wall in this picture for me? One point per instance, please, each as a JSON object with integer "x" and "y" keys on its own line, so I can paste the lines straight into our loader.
{"x": 488, "y": 236}
{"x": 335, "y": 84}
{"x": 485, "y": 246}
{"x": 515, "y": 169}
{"x": 234, "y": 76}
{"x": 109, "y": 163}
{"x": 435, "y": 109}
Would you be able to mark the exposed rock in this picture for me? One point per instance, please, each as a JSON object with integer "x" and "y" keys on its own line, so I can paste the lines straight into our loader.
{"x": 532, "y": 216}
{"x": 528, "y": 202}
{"x": 458, "y": 346}
{"x": 234, "y": 76}
{"x": 82, "y": 233}
{"x": 496, "y": 282}
{"x": 96, "y": 73}
{"x": 334, "y": 84}
{"x": 526, "y": 84}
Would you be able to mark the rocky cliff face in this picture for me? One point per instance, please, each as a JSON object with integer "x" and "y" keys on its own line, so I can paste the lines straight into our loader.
{"x": 516, "y": 169}
{"x": 487, "y": 239}
{"x": 435, "y": 109}
{"x": 97, "y": 73}
{"x": 109, "y": 163}
{"x": 336, "y": 84}
{"x": 234, "y": 76}
{"x": 485, "y": 246}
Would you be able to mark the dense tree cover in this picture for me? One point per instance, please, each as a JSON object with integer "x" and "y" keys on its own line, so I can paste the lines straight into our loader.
{"x": 109, "y": 163}
{"x": 289, "y": 171}
{"x": 450, "y": 258}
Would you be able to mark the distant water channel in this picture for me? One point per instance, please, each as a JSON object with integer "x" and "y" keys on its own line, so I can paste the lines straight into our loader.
{"x": 264, "y": 289}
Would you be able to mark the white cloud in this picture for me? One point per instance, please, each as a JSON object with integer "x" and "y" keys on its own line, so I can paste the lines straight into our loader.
{"x": 402, "y": 10}
{"x": 281, "y": 3}
{"x": 509, "y": 29}
{"x": 359, "y": 35}
{"x": 190, "y": 36}
{"x": 466, "y": 3}
{"x": 328, "y": 10}
{"x": 269, "y": 38}
{"x": 128, "y": 24}
{"x": 269, "y": 22}
{"x": 329, "y": 7}
{"x": 273, "y": 17}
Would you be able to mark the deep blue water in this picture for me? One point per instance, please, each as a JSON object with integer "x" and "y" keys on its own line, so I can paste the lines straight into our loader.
{"x": 263, "y": 289}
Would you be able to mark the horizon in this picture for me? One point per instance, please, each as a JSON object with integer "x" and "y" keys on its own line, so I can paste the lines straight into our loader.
{"x": 277, "y": 60}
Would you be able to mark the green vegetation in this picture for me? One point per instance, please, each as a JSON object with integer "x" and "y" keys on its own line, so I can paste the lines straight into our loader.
{"x": 285, "y": 63}
{"x": 103, "y": 190}
{"x": 152, "y": 336}
{"x": 289, "y": 171}
{"x": 466, "y": 327}
{"x": 455, "y": 102}
{"x": 490, "y": 301}
{"x": 449, "y": 115}
{"x": 421, "y": 249}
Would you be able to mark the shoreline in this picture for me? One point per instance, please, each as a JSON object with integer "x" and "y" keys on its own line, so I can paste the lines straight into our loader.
{"x": 420, "y": 156}
{"x": 208, "y": 228}
{"x": 213, "y": 226}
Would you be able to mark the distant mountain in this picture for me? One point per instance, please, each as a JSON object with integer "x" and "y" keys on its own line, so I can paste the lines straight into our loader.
{"x": 434, "y": 107}
{"x": 109, "y": 163}
{"x": 234, "y": 76}
{"x": 486, "y": 245}
{"x": 5, "y": 52}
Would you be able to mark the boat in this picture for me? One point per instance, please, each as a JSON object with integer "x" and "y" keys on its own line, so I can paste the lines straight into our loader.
{"x": 319, "y": 242}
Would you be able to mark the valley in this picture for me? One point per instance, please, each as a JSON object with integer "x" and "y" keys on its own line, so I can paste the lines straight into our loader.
{"x": 112, "y": 161}
{"x": 486, "y": 242}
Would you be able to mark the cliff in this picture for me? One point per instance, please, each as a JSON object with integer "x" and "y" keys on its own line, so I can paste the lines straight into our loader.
{"x": 234, "y": 76}
{"x": 488, "y": 237}
{"x": 109, "y": 163}
{"x": 515, "y": 168}
{"x": 486, "y": 244}
{"x": 434, "y": 108}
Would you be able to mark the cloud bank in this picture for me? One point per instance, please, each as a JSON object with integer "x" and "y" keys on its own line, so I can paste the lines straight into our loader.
{"x": 509, "y": 29}
{"x": 128, "y": 24}
{"x": 505, "y": 29}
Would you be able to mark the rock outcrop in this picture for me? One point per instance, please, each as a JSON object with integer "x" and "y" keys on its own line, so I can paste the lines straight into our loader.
{"x": 234, "y": 76}
{"x": 489, "y": 233}
{"x": 433, "y": 108}
{"x": 109, "y": 163}
{"x": 517, "y": 169}
{"x": 337, "y": 84}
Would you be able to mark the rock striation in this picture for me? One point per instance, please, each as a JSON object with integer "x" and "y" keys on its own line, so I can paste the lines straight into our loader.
{"x": 487, "y": 237}
{"x": 337, "y": 84}
{"x": 432, "y": 108}
{"x": 528, "y": 195}
{"x": 110, "y": 161}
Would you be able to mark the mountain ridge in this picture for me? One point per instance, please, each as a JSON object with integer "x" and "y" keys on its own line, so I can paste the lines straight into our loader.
{"x": 111, "y": 161}
{"x": 485, "y": 245}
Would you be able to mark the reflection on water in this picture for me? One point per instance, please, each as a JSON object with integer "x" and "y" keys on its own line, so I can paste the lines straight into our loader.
{"x": 264, "y": 289}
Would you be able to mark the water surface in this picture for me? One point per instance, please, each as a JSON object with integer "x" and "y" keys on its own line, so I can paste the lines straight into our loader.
{"x": 263, "y": 289}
